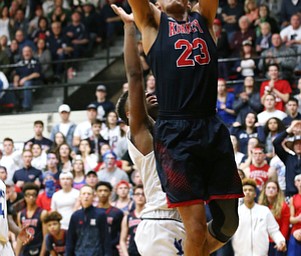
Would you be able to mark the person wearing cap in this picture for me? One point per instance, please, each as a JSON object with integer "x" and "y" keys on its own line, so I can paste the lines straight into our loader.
{"x": 255, "y": 221}
{"x": 114, "y": 215}
{"x": 65, "y": 126}
{"x": 291, "y": 157}
{"x": 84, "y": 129}
{"x": 104, "y": 106}
{"x": 91, "y": 179}
{"x": 280, "y": 88}
{"x": 70, "y": 203}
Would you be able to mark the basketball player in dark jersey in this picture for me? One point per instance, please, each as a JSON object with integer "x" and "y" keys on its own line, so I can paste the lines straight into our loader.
{"x": 31, "y": 216}
{"x": 195, "y": 159}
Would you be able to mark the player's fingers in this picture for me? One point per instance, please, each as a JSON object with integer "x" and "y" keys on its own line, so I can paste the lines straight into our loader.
{"x": 116, "y": 9}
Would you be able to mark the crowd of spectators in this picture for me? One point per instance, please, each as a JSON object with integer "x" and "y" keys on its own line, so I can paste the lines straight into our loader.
{"x": 259, "y": 99}
{"x": 36, "y": 34}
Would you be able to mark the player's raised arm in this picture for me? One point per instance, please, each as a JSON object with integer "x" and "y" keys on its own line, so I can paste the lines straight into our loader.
{"x": 138, "y": 117}
{"x": 207, "y": 9}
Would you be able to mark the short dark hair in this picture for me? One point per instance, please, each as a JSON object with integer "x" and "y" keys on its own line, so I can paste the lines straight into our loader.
{"x": 137, "y": 187}
{"x": 96, "y": 121}
{"x": 52, "y": 216}
{"x": 8, "y": 139}
{"x": 274, "y": 65}
{"x": 104, "y": 183}
{"x": 38, "y": 122}
{"x": 120, "y": 107}
{"x": 294, "y": 100}
{"x": 3, "y": 167}
{"x": 30, "y": 186}
{"x": 249, "y": 182}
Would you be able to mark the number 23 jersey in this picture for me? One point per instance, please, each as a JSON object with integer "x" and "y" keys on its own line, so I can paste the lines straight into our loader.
{"x": 183, "y": 59}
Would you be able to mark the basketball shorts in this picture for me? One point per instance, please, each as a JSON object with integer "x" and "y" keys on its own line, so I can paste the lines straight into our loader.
{"x": 195, "y": 160}
{"x": 164, "y": 237}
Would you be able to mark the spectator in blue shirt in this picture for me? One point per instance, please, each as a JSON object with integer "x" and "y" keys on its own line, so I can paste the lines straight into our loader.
{"x": 88, "y": 232}
{"x": 27, "y": 74}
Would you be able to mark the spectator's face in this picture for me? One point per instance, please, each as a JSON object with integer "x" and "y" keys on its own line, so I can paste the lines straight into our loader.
{"x": 91, "y": 114}
{"x": 38, "y": 129}
{"x": 75, "y": 17}
{"x": 3, "y": 41}
{"x": 137, "y": 178}
{"x": 56, "y": 28}
{"x": 100, "y": 95}
{"x": 250, "y": 193}
{"x": 243, "y": 24}
{"x": 292, "y": 107}
{"x": 298, "y": 183}
{"x": 252, "y": 143}
{"x": 58, "y": 3}
{"x": 43, "y": 24}
{"x": 86, "y": 196}
{"x": 263, "y": 12}
{"x": 66, "y": 182}
{"x": 84, "y": 146}
{"x": 52, "y": 161}
{"x": 249, "y": 82}
{"x": 78, "y": 166}
{"x": 151, "y": 84}
{"x": 139, "y": 197}
{"x": 103, "y": 193}
{"x": 30, "y": 196}
{"x": 53, "y": 227}
{"x": 104, "y": 148}
{"x": 276, "y": 40}
{"x": 271, "y": 190}
{"x": 59, "y": 138}
{"x": 269, "y": 102}
{"x": 64, "y": 151}
{"x": 295, "y": 21}
{"x": 297, "y": 147}
{"x": 14, "y": 46}
{"x": 273, "y": 73}
{"x": 19, "y": 15}
{"x": 27, "y": 157}
{"x": 258, "y": 156}
{"x": 96, "y": 129}
{"x": 110, "y": 160}
{"x": 272, "y": 125}
{"x": 221, "y": 86}
{"x": 122, "y": 191}
{"x": 265, "y": 29}
{"x": 65, "y": 116}
{"x": 231, "y": 2}
{"x": 27, "y": 53}
{"x": 112, "y": 118}
{"x": 41, "y": 44}
{"x": 3, "y": 174}
{"x": 36, "y": 150}
{"x": 19, "y": 36}
{"x": 8, "y": 147}
{"x": 92, "y": 180}
{"x": 250, "y": 120}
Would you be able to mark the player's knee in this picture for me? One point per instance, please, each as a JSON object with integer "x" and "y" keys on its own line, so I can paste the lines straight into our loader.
{"x": 195, "y": 231}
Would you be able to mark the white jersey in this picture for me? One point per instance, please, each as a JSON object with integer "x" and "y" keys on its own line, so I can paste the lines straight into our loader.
{"x": 5, "y": 248}
{"x": 156, "y": 201}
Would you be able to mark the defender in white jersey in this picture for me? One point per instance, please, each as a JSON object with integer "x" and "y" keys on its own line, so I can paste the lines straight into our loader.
{"x": 5, "y": 247}
{"x": 162, "y": 226}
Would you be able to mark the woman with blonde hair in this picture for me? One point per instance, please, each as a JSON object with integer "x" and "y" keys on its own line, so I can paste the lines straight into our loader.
{"x": 251, "y": 10}
{"x": 273, "y": 197}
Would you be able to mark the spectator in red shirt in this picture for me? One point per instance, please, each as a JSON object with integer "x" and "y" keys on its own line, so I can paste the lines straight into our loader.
{"x": 280, "y": 88}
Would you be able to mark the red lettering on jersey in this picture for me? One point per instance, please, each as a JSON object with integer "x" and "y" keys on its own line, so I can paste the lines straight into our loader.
{"x": 172, "y": 30}
{"x": 187, "y": 28}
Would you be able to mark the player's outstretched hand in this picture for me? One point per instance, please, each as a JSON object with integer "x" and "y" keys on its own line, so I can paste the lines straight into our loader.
{"x": 126, "y": 18}
{"x": 24, "y": 236}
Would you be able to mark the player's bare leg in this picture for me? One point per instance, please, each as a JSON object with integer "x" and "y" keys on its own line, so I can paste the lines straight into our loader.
{"x": 194, "y": 220}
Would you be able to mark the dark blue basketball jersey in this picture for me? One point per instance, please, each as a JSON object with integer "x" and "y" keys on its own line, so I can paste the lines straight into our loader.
{"x": 133, "y": 222}
{"x": 35, "y": 229}
{"x": 183, "y": 59}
